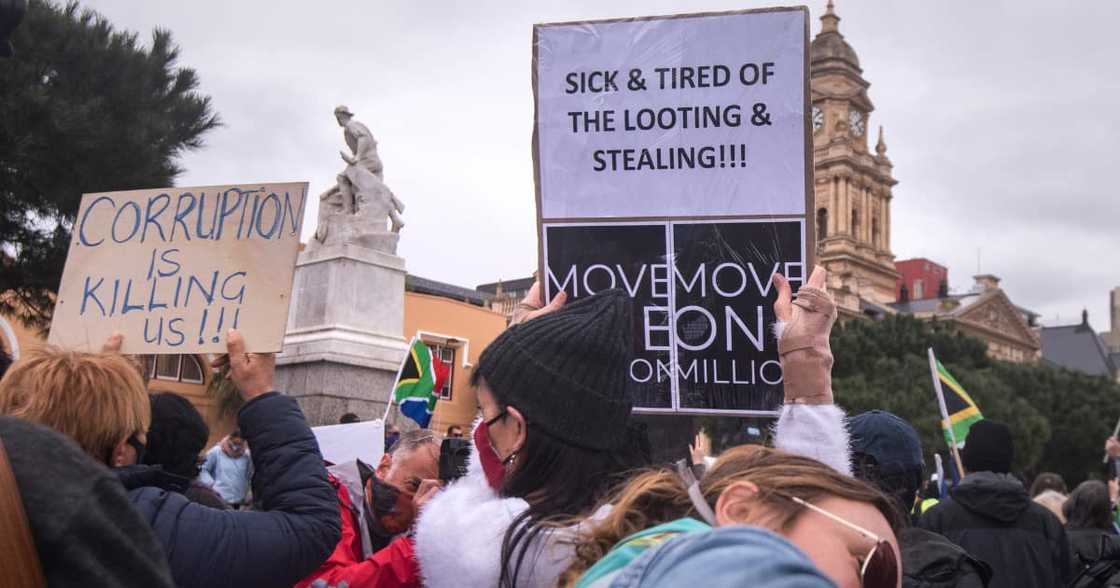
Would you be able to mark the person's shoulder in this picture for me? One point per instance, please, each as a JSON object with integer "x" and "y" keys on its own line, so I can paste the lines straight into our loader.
{"x": 155, "y": 503}
{"x": 1043, "y": 516}
{"x": 718, "y": 555}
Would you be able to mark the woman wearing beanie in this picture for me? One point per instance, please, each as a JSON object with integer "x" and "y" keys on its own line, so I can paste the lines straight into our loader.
{"x": 554, "y": 436}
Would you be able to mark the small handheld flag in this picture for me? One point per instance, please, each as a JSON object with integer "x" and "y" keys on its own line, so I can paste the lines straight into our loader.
{"x": 419, "y": 379}
{"x": 962, "y": 410}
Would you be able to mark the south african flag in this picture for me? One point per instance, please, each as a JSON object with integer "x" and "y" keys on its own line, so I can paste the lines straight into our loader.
{"x": 959, "y": 406}
{"x": 420, "y": 379}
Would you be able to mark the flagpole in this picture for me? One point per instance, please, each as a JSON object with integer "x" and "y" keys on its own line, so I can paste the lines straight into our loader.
{"x": 945, "y": 412}
{"x": 397, "y": 378}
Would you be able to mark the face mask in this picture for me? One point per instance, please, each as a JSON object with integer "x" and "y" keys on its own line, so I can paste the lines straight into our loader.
{"x": 389, "y": 511}
{"x": 492, "y": 465}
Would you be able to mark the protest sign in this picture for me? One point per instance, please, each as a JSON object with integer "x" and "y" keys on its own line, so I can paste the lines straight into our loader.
{"x": 673, "y": 160}
{"x": 174, "y": 268}
{"x": 344, "y": 443}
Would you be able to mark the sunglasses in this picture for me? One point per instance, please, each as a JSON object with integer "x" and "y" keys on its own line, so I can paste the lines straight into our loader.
{"x": 879, "y": 568}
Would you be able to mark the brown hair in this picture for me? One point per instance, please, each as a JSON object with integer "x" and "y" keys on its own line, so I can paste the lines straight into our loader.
{"x": 97, "y": 399}
{"x": 659, "y": 496}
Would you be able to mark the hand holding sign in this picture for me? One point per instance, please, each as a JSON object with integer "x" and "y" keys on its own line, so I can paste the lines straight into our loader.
{"x": 803, "y": 347}
{"x": 531, "y": 307}
{"x": 252, "y": 373}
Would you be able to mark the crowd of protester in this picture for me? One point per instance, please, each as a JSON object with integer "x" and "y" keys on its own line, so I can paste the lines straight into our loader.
{"x": 111, "y": 485}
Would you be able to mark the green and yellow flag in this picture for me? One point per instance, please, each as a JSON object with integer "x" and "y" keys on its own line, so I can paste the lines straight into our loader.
{"x": 957, "y": 408}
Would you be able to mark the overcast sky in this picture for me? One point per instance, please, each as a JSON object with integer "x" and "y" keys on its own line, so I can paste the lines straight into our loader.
{"x": 1001, "y": 119}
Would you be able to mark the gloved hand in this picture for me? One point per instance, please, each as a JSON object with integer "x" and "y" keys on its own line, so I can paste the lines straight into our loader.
{"x": 803, "y": 341}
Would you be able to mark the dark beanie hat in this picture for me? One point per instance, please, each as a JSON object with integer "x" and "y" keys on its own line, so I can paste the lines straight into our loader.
{"x": 566, "y": 370}
{"x": 988, "y": 448}
{"x": 177, "y": 434}
{"x": 890, "y": 440}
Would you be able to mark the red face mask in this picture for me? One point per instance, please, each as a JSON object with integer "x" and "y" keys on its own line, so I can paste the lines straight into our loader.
{"x": 492, "y": 465}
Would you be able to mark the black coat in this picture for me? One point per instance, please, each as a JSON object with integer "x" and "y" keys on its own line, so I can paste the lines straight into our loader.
{"x": 85, "y": 531}
{"x": 991, "y": 517}
{"x": 930, "y": 560}
{"x": 298, "y": 525}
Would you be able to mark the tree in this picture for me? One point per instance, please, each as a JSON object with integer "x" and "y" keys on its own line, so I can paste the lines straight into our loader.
{"x": 1059, "y": 418}
{"x": 86, "y": 109}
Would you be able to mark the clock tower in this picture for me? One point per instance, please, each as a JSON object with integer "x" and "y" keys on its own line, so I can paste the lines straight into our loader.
{"x": 853, "y": 184}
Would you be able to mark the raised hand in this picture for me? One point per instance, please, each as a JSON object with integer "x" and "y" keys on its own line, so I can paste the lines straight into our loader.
{"x": 803, "y": 344}
{"x": 532, "y": 305}
{"x": 252, "y": 373}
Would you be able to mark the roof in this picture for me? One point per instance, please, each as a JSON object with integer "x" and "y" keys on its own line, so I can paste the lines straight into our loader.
{"x": 1078, "y": 348}
{"x": 953, "y": 303}
{"x": 507, "y": 285}
{"x": 425, "y": 286}
{"x": 829, "y": 44}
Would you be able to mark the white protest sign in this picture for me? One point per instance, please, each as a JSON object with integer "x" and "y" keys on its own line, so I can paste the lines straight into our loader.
{"x": 673, "y": 159}
{"x": 174, "y": 268}
{"x": 345, "y": 443}
{"x": 679, "y": 116}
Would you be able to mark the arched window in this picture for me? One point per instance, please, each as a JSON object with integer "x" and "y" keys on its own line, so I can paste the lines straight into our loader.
{"x": 855, "y": 223}
{"x": 174, "y": 368}
{"x": 822, "y": 223}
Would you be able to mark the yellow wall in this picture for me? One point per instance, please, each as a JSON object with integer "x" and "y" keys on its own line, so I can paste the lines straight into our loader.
{"x": 473, "y": 327}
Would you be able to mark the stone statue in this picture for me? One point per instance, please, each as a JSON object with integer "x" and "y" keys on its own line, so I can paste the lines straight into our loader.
{"x": 355, "y": 209}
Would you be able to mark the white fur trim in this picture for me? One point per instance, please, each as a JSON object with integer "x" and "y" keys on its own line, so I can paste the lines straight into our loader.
{"x": 459, "y": 534}
{"x": 460, "y": 531}
{"x": 779, "y": 329}
{"x": 818, "y": 431}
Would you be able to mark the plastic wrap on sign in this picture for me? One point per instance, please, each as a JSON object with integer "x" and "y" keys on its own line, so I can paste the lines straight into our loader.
{"x": 673, "y": 161}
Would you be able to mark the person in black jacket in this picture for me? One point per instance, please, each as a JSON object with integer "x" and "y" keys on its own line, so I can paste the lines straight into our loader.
{"x": 990, "y": 515}
{"x": 100, "y": 401}
{"x": 1088, "y": 512}
{"x": 177, "y": 436}
{"x": 86, "y": 533}
{"x": 887, "y": 453}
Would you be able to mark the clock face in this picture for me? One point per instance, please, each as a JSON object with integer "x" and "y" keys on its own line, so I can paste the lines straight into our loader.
{"x": 818, "y": 119}
{"x": 856, "y": 123}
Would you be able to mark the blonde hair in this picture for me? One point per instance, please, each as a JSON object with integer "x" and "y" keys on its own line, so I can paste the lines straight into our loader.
{"x": 97, "y": 399}
{"x": 659, "y": 496}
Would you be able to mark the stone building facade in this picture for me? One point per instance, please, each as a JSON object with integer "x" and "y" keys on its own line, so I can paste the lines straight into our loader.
{"x": 853, "y": 183}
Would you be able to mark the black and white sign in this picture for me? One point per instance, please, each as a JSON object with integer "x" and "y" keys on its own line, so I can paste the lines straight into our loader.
{"x": 673, "y": 161}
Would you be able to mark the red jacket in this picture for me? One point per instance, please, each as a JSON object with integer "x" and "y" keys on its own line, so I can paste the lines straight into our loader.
{"x": 393, "y": 567}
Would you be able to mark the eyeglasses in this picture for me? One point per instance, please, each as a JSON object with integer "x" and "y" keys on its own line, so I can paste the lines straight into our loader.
{"x": 490, "y": 423}
{"x": 138, "y": 446}
{"x": 879, "y": 568}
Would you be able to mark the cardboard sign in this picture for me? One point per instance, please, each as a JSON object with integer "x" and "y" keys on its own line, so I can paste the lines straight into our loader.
{"x": 673, "y": 160}
{"x": 344, "y": 443}
{"x": 174, "y": 268}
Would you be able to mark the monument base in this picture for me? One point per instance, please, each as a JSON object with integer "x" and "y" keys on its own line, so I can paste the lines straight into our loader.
{"x": 344, "y": 340}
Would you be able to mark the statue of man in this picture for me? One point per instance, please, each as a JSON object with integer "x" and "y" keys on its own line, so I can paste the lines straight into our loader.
{"x": 363, "y": 147}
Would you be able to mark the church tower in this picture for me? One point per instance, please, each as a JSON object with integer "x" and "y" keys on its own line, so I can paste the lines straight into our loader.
{"x": 853, "y": 184}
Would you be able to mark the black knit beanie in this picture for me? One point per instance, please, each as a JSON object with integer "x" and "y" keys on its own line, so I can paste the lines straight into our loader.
{"x": 988, "y": 448}
{"x": 177, "y": 434}
{"x": 566, "y": 370}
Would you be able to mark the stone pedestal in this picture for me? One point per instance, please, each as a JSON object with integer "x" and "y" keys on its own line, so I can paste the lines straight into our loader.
{"x": 343, "y": 344}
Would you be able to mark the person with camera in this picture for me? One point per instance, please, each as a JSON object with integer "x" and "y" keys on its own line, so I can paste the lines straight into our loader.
{"x": 377, "y": 506}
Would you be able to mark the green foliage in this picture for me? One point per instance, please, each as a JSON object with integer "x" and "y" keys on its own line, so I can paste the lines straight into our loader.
{"x": 85, "y": 109}
{"x": 1059, "y": 418}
